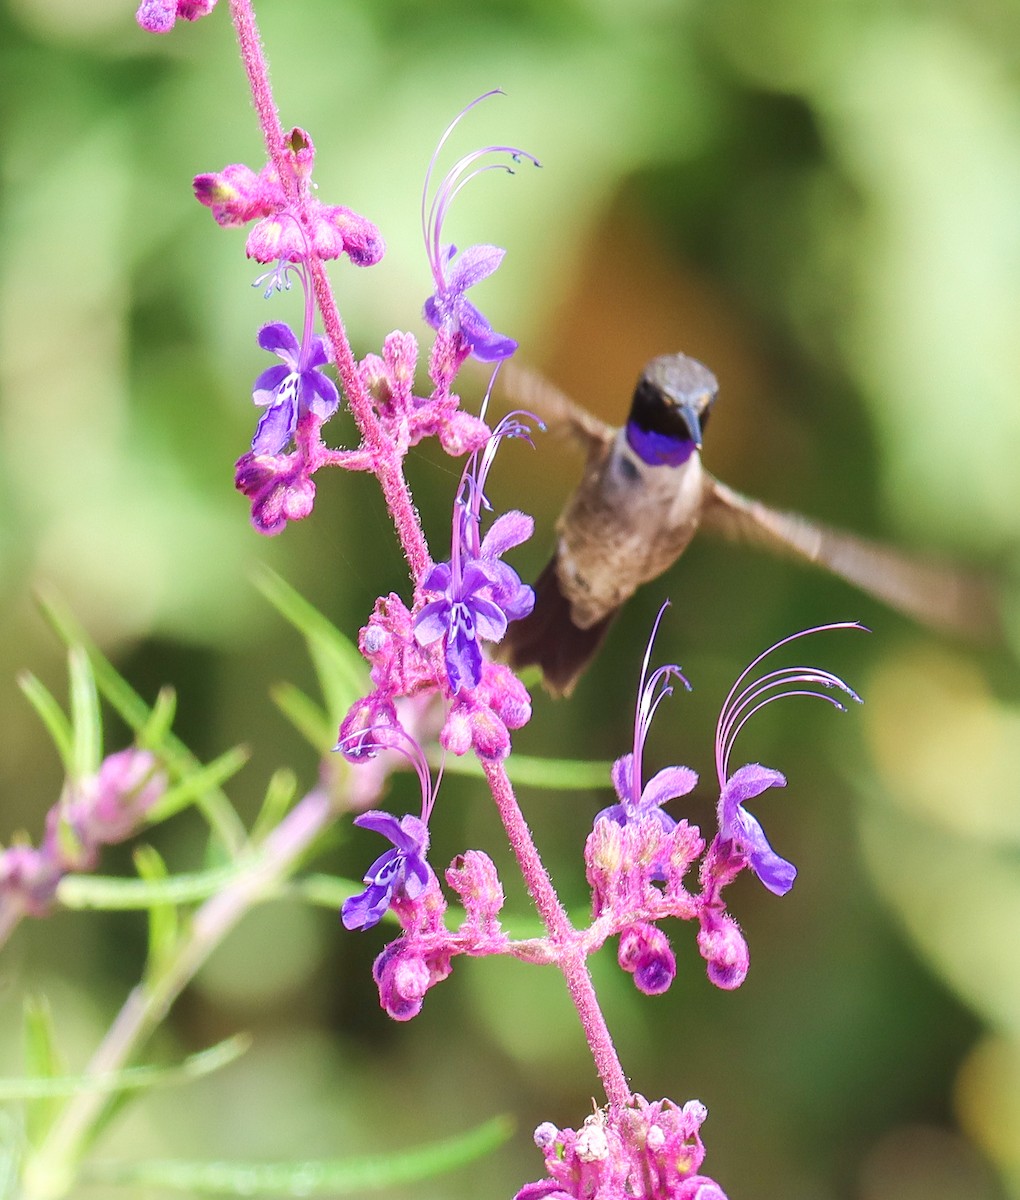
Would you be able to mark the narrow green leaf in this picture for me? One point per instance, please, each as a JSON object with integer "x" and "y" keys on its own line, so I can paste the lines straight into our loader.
{"x": 554, "y": 774}
{"x": 341, "y": 671}
{"x": 86, "y": 719}
{"x": 42, "y": 1065}
{"x": 326, "y": 891}
{"x": 311, "y": 1178}
{"x": 198, "y": 783}
{"x": 163, "y": 917}
{"x": 213, "y": 803}
{"x": 111, "y": 893}
{"x": 131, "y": 1078}
{"x": 279, "y": 797}
{"x": 308, "y": 718}
{"x": 154, "y": 733}
{"x": 51, "y": 715}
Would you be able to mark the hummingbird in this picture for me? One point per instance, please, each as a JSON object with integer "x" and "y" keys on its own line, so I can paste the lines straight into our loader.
{"x": 644, "y": 495}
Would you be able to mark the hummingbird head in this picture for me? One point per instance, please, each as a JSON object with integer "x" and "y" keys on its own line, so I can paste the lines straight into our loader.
{"x": 670, "y": 409}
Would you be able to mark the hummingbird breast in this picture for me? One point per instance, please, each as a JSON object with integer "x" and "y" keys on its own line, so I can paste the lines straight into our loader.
{"x": 626, "y": 524}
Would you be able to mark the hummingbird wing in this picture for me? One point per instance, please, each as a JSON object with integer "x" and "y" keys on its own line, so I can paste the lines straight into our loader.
{"x": 529, "y": 390}
{"x": 938, "y": 594}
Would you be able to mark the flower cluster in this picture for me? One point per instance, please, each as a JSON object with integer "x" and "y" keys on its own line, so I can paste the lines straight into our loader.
{"x": 99, "y": 810}
{"x": 160, "y": 16}
{"x": 638, "y": 857}
{"x": 438, "y": 649}
{"x": 291, "y": 223}
{"x": 648, "y": 1150}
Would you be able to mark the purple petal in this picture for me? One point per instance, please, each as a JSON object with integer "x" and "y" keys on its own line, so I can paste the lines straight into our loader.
{"x": 490, "y": 620}
{"x": 274, "y": 429}
{"x": 668, "y": 784}
{"x": 486, "y": 345}
{"x": 463, "y": 659}
{"x": 382, "y": 822}
{"x": 505, "y": 532}
{"x": 324, "y": 398}
{"x": 432, "y": 622}
{"x": 365, "y": 910}
{"x": 278, "y": 338}
{"x": 775, "y": 873}
{"x": 474, "y": 265}
{"x": 623, "y": 778}
{"x": 265, "y": 387}
{"x": 743, "y": 785}
{"x": 318, "y": 354}
{"x": 438, "y": 579}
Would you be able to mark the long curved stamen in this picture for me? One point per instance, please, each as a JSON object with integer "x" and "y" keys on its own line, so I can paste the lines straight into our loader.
{"x": 471, "y": 498}
{"x": 405, "y": 745}
{"x": 649, "y": 700}
{"x": 742, "y": 703}
{"x": 433, "y": 214}
{"x": 440, "y": 144}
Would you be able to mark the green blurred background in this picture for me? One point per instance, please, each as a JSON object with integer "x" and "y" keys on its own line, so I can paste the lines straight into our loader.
{"x": 821, "y": 200}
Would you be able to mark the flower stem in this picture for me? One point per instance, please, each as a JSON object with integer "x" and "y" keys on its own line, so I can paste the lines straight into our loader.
{"x": 50, "y": 1172}
{"x": 389, "y": 468}
{"x": 570, "y": 954}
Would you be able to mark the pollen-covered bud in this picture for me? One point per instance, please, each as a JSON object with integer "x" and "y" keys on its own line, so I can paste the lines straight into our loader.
{"x": 301, "y": 151}
{"x": 644, "y": 951}
{"x": 724, "y": 950}
{"x": 279, "y": 236}
{"x": 235, "y": 195}
{"x": 473, "y": 876}
{"x": 278, "y": 489}
{"x": 463, "y": 433}
{"x": 361, "y": 240}
{"x": 403, "y": 976}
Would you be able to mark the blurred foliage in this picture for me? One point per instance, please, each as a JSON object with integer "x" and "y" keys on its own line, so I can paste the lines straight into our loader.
{"x": 820, "y": 200}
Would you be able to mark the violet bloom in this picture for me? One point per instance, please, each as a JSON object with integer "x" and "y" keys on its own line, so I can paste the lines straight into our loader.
{"x": 400, "y": 874}
{"x": 737, "y": 827}
{"x": 291, "y": 389}
{"x": 669, "y": 783}
{"x": 448, "y": 308}
{"x": 402, "y": 869}
{"x": 478, "y": 592}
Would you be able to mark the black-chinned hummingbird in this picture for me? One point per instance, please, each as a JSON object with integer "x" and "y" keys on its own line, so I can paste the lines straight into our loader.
{"x": 643, "y": 496}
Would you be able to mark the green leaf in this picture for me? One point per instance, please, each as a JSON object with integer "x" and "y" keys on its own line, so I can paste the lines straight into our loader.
{"x": 198, "y": 783}
{"x": 86, "y": 719}
{"x": 163, "y": 920}
{"x": 341, "y": 671}
{"x": 111, "y": 893}
{"x": 308, "y": 718}
{"x": 554, "y": 774}
{"x": 280, "y": 795}
{"x": 156, "y": 729}
{"x": 51, "y": 715}
{"x": 343, "y": 1177}
{"x": 213, "y": 803}
{"x": 131, "y": 1078}
{"x": 42, "y": 1065}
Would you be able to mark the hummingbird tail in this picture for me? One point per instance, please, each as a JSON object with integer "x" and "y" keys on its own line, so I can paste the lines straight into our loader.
{"x": 549, "y": 638}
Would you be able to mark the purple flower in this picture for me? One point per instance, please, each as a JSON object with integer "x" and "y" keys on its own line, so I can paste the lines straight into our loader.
{"x": 461, "y": 615}
{"x": 478, "y": 592}
{"x": 400, "y": 870}
{"x": 738, "y": 829}
{"x": 738, "y": 826}
{"x": 291, "y": 389}
{"x": 669, "y": 783}
{"x": 448, "y": 308}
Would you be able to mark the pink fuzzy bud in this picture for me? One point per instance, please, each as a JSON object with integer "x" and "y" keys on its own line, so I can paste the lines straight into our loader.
{"x": 724, "y": 950}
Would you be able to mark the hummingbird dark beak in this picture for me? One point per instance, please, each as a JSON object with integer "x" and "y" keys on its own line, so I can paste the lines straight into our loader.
{"x": 693, "y": 420}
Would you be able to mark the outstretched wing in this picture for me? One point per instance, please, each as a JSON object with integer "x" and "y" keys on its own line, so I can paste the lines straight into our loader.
{"x": 521, "y": 387}
{"x": 935, "y": 593}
